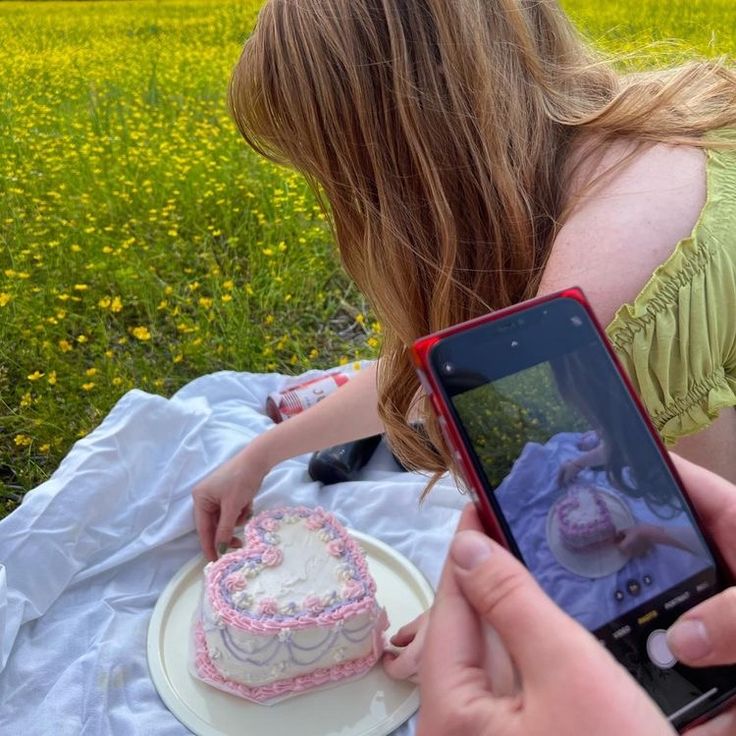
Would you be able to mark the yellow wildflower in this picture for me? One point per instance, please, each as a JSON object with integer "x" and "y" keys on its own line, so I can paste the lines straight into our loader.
{"x": 22, "y": 440}
{"x": 64, "y": 346}
{"x": 35, "y": 376}
{"x": 88, "y": 386}
{"x": 4, "y": 298}
{"x": 52, "y": 378}
{"x": 141, "y": 333}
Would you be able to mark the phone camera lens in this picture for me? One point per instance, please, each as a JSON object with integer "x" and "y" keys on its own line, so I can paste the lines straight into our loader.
{"x": 448, "y": 368}
{"x": 514, "y": 343}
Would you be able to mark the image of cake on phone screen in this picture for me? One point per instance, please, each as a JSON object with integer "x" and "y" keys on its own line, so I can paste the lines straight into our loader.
{"x": 593, "y": 511}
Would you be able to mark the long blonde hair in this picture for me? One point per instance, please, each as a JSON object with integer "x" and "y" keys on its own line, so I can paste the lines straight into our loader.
{"x": 439, "y": 133}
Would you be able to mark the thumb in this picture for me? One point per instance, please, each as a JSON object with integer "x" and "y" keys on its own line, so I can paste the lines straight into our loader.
{"x": 706, "y": 634}
{"x": 538, "y": 635}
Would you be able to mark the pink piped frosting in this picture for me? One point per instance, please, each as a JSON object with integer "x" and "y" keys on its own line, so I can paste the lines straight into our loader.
{"x": 235, "y": 582}
{"x": 352, "y": 589}
{"x": 336, "y": 547}
{"x": 268, "y": 606}
{"x": 314, "y": 604}
{"x": 272, "y": 556}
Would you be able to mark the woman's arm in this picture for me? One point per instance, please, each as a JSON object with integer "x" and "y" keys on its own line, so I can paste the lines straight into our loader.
{"x": 350, "y": 413}
{"x": 222, "y": 499}
{"x": 639, "y": 539}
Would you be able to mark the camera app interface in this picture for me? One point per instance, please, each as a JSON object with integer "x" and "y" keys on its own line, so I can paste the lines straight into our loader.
{"x": 591, "y": 506}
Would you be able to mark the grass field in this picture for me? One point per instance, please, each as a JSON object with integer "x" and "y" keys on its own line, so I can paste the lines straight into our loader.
{"x": 143, "y": 244}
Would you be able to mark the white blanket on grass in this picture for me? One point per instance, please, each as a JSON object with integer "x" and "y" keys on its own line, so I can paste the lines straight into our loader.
{"x": 84, "y": 559}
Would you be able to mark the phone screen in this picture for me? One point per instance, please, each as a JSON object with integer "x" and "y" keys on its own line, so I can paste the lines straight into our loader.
{"x": 581, "y": 489}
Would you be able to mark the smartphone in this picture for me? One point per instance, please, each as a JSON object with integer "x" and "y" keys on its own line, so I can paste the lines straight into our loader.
{"x": 569, "y": 474}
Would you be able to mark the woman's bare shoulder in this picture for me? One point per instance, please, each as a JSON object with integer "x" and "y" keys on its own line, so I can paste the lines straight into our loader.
{"x": 621, "y": 230}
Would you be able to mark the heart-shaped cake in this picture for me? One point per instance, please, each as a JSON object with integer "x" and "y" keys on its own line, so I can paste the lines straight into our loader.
{"x": 585, "y": 519}
{"x": 292, "y": 610}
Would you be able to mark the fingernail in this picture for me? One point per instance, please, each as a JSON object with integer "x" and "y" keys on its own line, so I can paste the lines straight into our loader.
{"x": 689, "y": 640}
{"x": 221, "y": 549}
{"x": 470, "y": 549}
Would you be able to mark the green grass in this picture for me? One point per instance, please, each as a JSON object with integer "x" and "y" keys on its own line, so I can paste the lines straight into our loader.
{"x": 142, "y": 244}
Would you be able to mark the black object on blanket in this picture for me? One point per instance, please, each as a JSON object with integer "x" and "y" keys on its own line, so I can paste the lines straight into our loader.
{"x": 342, "y": 463}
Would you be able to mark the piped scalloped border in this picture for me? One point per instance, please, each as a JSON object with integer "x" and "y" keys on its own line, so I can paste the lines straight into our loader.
{"x": 338, "y": 673}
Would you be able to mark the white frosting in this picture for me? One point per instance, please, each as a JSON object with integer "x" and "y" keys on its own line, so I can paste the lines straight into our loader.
{"x": 307, "y": 569}
{"x": 587, "y": 510}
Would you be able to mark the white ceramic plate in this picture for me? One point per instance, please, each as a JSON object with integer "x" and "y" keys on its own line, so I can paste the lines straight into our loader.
{"x": 373, "y": 705}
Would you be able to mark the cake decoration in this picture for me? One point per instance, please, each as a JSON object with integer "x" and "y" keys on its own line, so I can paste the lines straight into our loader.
{"x": 292, "y": 610}
{"x": 585, "y": 521}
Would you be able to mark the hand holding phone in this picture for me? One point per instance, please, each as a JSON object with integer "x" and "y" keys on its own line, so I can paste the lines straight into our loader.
{"x": 463, "y": 693}
{"x": 526, "y": 393}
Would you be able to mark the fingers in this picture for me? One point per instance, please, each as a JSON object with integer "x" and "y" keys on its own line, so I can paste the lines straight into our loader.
{"x": 715, "y": 501}
{"x": 225, "y": 526}
{"x": 537, "y": 634}
{"x": 451, "y": 674}
{"x": 205, "y": 521}
{"x": 706, "y": 634}
{"x": 722, "y": 725}
{"x": 405, "y": 635}
{"x": 453, "y": 630}
{"x": 244, "y": 515}
{"x": 402, "y": 666}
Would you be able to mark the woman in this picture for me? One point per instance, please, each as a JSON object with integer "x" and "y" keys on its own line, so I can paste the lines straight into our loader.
{"x": 474, "y": 154}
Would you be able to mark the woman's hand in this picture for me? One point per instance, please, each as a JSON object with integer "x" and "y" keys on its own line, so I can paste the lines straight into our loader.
{"x": 637, "y": 540}
{"x": 706, "y": 635}
{"x": 405, "y": 664}
{"x": 568, "y": 472}
{"x": 223, "y": 500}
{"x": 566, "y": 683}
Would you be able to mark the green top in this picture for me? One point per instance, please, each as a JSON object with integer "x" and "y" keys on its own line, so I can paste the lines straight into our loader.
{"x": 677, "y": 340}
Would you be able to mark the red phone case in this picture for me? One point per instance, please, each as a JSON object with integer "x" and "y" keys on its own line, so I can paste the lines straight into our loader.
{"x": 421, "y": 350}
